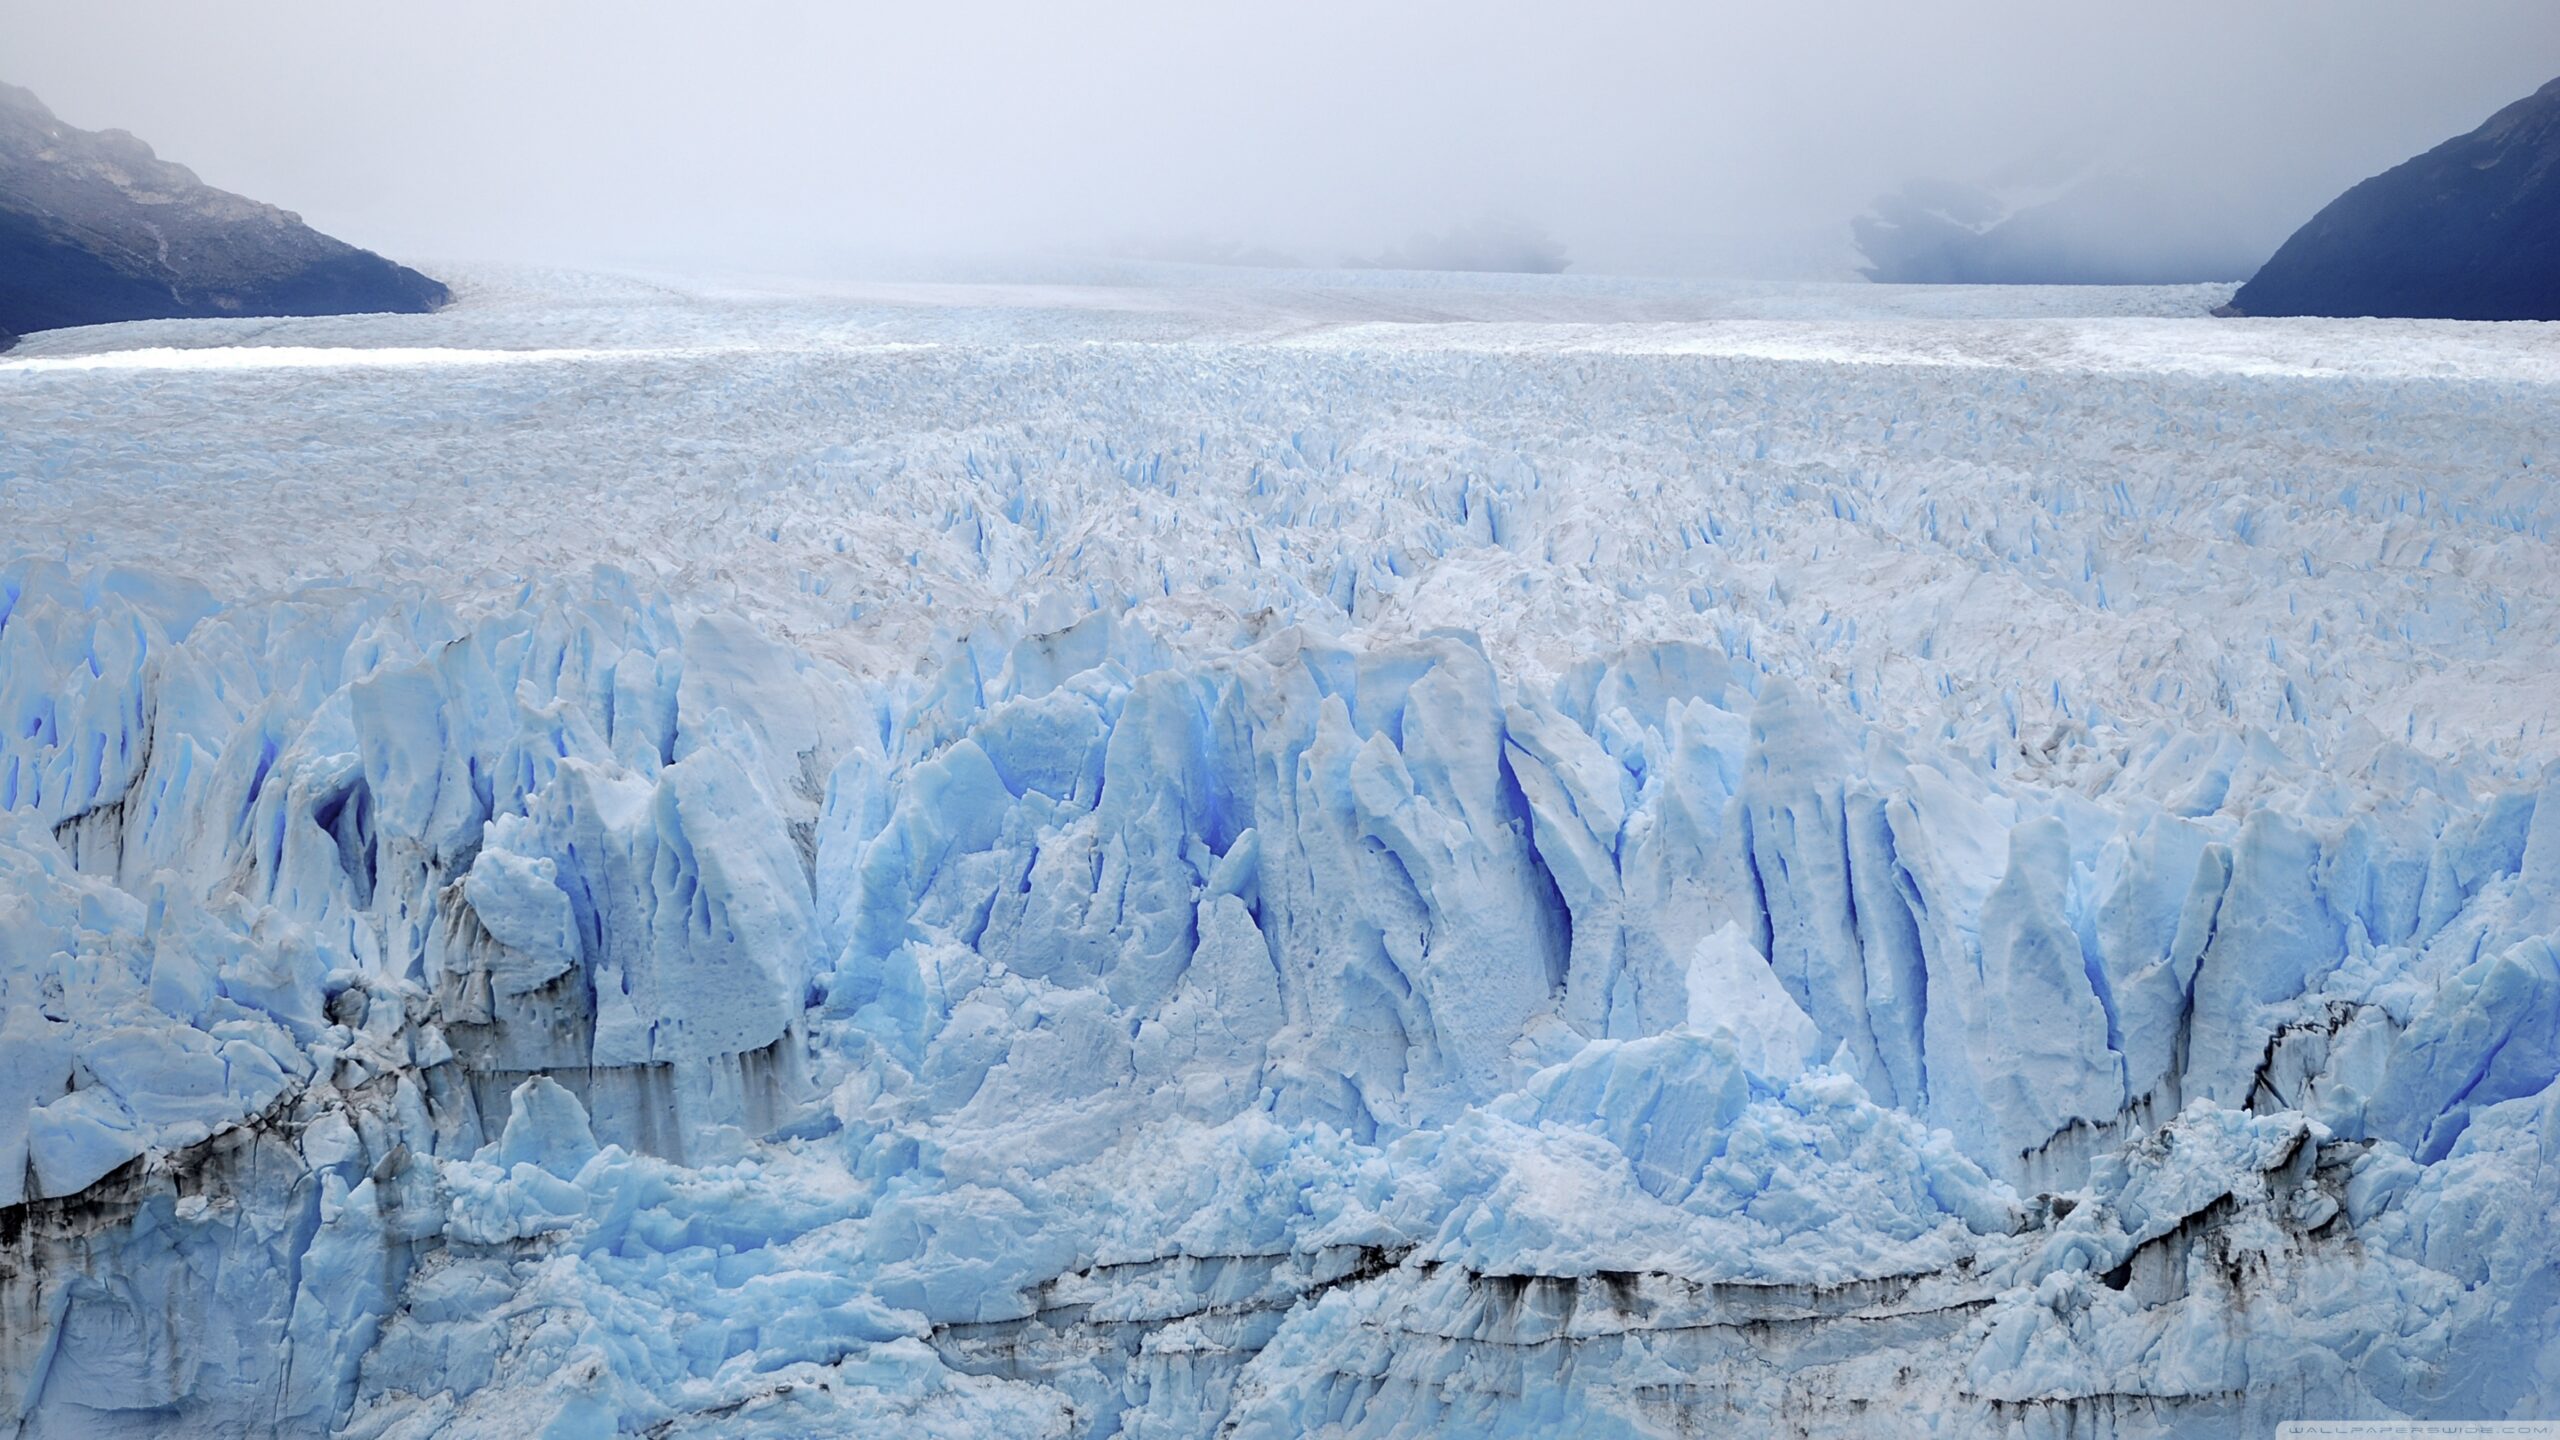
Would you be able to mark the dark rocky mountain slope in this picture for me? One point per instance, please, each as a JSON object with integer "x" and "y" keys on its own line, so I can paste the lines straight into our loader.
{"x": 2468, "y": 231}
{"x": 94, "y": 227}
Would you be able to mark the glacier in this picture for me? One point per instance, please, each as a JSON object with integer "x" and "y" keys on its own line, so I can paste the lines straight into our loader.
{"x": 1363, "y": 855}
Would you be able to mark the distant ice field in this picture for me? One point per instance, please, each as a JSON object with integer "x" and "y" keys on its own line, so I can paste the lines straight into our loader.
{"x": 825, "y": 447}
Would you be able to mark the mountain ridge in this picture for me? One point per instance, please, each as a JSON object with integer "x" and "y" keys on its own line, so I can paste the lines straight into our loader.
{"x": 2469, "y": 230}
{"x": 95, "y": 227}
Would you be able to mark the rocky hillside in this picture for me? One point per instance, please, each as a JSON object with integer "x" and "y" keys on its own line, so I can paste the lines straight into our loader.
{"x": 2468, "y": 231}
{"x": 94, "y": 227}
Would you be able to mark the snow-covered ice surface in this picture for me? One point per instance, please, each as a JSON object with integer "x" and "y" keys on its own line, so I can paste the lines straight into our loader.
{"x": 1357, "y": 855}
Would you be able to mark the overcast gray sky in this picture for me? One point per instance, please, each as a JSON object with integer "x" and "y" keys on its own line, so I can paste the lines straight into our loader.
{"x": 1646, "y": 137}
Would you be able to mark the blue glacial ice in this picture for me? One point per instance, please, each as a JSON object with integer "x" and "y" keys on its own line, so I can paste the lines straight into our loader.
{"x": 1180, "y": 863}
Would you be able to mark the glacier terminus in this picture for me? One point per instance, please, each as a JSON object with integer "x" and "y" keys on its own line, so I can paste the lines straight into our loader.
{"x": 1194, "y": 853}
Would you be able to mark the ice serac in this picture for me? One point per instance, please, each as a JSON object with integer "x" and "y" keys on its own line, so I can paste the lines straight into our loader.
{"x": 1282, "y": 890}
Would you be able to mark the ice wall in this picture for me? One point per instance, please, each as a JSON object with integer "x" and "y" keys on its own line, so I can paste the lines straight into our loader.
{"x": 607, "y": 1002}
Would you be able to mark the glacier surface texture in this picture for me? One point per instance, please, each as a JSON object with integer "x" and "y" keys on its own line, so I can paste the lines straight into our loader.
{"x": 1350, "y": 856}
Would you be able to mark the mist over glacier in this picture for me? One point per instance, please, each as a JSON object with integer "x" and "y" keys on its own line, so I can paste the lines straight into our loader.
{"x": 1315, "y": 853}
{"x": 1709, "y": 139}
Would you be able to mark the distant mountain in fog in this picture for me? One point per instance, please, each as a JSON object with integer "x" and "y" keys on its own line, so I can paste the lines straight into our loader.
{"x": 1498, "y": 245}
{"x": 2470, "y": 230}
{"x": 94, "y": 228}
{"x": 2100, "y": 228}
